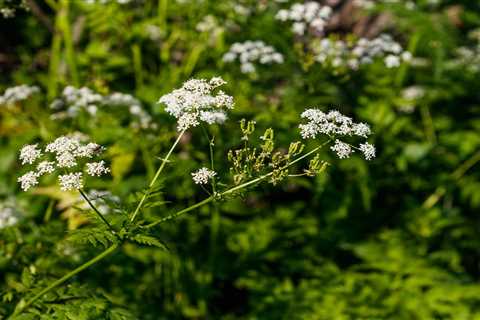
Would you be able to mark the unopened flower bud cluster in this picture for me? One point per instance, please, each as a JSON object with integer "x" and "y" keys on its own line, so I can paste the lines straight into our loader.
{"x": 198, "y": 100}
{"x": 305, "y": 17}
{"x": 16, "y": 94}
{"x": 250, "y": 52}
{"x": 336, "y": 125}
{"x": 338, "y": 53}
{"x": 65, "y": 155}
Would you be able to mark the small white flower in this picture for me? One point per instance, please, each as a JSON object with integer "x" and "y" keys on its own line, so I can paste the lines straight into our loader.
{"x": 89, "y": 150}
{"x": 203, "y": 175}
{"x": 247, "y": 67}
{"x": 16, "y": 94}
{"x": 361, "y": 130}
{"x": 249, "y": 52}
{"x": 392, "y": 61}
{"x": 66, "y": 160}
{"x": 368, "y": 150}
{"x": 28, "y": 180}
{"x": 304, "y": 16}
{"x": 67, "y": 150}
{"x": 45, "y": 167}
{"x": 342, "y": 149}
{"x": 30, "y": 153}
{"x": 8, "y": 216}
{"x": 97, "y": 168}
{"x": 335, "y": 124}
{"x": 71, "y": 181}
{"x": 194, "y": 97}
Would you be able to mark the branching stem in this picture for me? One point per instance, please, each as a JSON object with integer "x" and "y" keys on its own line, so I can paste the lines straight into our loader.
{"x": 157, "y": 174}
{"x": 231, "y": 190}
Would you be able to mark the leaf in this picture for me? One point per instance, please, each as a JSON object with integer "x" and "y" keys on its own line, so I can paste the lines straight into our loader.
{"x": 149, "y": 241}
{"x": 94, "y": 236}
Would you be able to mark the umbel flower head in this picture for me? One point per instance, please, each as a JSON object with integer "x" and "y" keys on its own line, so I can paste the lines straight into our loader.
{"x": 203, "y": 175}
{"x": 336, "y": 125}
{"x": 68, "y": 156}
{"x": 250, "y": 52}
{"x": 196, "y": 101}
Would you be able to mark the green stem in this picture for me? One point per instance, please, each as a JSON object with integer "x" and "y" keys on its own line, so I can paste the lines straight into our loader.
{"x": 99, "y": 214}
{"x": 231, "y": 190}
{"x": 64, "y": 278}
{"x": 157, "y": 174}
{"x": 67, "y": 37}
{"x": 55, "y": 55}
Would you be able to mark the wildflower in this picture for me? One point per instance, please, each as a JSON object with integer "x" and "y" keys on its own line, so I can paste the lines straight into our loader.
{"x": 203, "y": 175}
{"x": 97, "y": 168}
{"x": 331, "y": 123}
{"x": 63, "y": 154}
{"x": 70, "y": 181}
{"x": 196, "y": 101}
{"x": 335, "y": 124}
{"x": 45, "y": 167}
{"x": 342, "y": 149}
{"x": 308, "y": 15}
{"x": 74, "y": 101}
{"x": 19, "y": 93}
{"x": 252, "y": 51}
{"x": 66, "y": 160}
{"x": 368, "y": 150}
{"x": 8, "y": 216}
{"x": 28, "y": 180}
{"x": 338, "y": 53}
{"x": 392, "y": 61}
{"x": 30, "y": 153}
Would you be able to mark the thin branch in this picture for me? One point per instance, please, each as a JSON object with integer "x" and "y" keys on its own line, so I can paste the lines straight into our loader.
{"x": 99, "y": 214}
{"x": 157, "y": 174}
{"x": 232, "y": 190}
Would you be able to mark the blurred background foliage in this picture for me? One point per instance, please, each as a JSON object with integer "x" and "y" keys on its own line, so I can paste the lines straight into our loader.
{"x": 395, "y": 238}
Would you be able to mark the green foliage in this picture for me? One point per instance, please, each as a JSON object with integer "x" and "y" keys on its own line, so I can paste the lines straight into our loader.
{"x": 395, "y": 238}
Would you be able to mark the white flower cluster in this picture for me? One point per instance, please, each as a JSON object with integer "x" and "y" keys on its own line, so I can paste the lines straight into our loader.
{"x": 410, "y": 97}
{"x": 335, "y": 124}
{"x": 143, "y": 118}
{"x": 64, "y": 153}
{"x": 7, "y": 12}
{"x": 74, "y": 101}
{"x": 249, "y": 52}
{"x": 338, "y": 53}
{"x": 203, "y": 175}
{"x": 468, "y": 57}
{"x": 9, "y": 215}
{"x": 207, "y": 24}
{"x": 19, "y": 93}
{"x": 306, "y": 16}
{"x": 196, "y": 101}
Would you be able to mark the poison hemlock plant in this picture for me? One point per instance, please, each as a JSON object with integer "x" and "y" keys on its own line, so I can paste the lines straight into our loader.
{"x": 197, "y": 102}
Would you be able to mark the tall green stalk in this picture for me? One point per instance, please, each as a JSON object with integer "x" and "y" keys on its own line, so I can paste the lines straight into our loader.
{"x": 155, "y": 178}
{"x": 64, "y": 25}
{"x": 58, "y": 282}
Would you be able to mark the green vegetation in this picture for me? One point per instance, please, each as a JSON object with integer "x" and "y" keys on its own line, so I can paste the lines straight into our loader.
{"x": 187, "y": 209}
